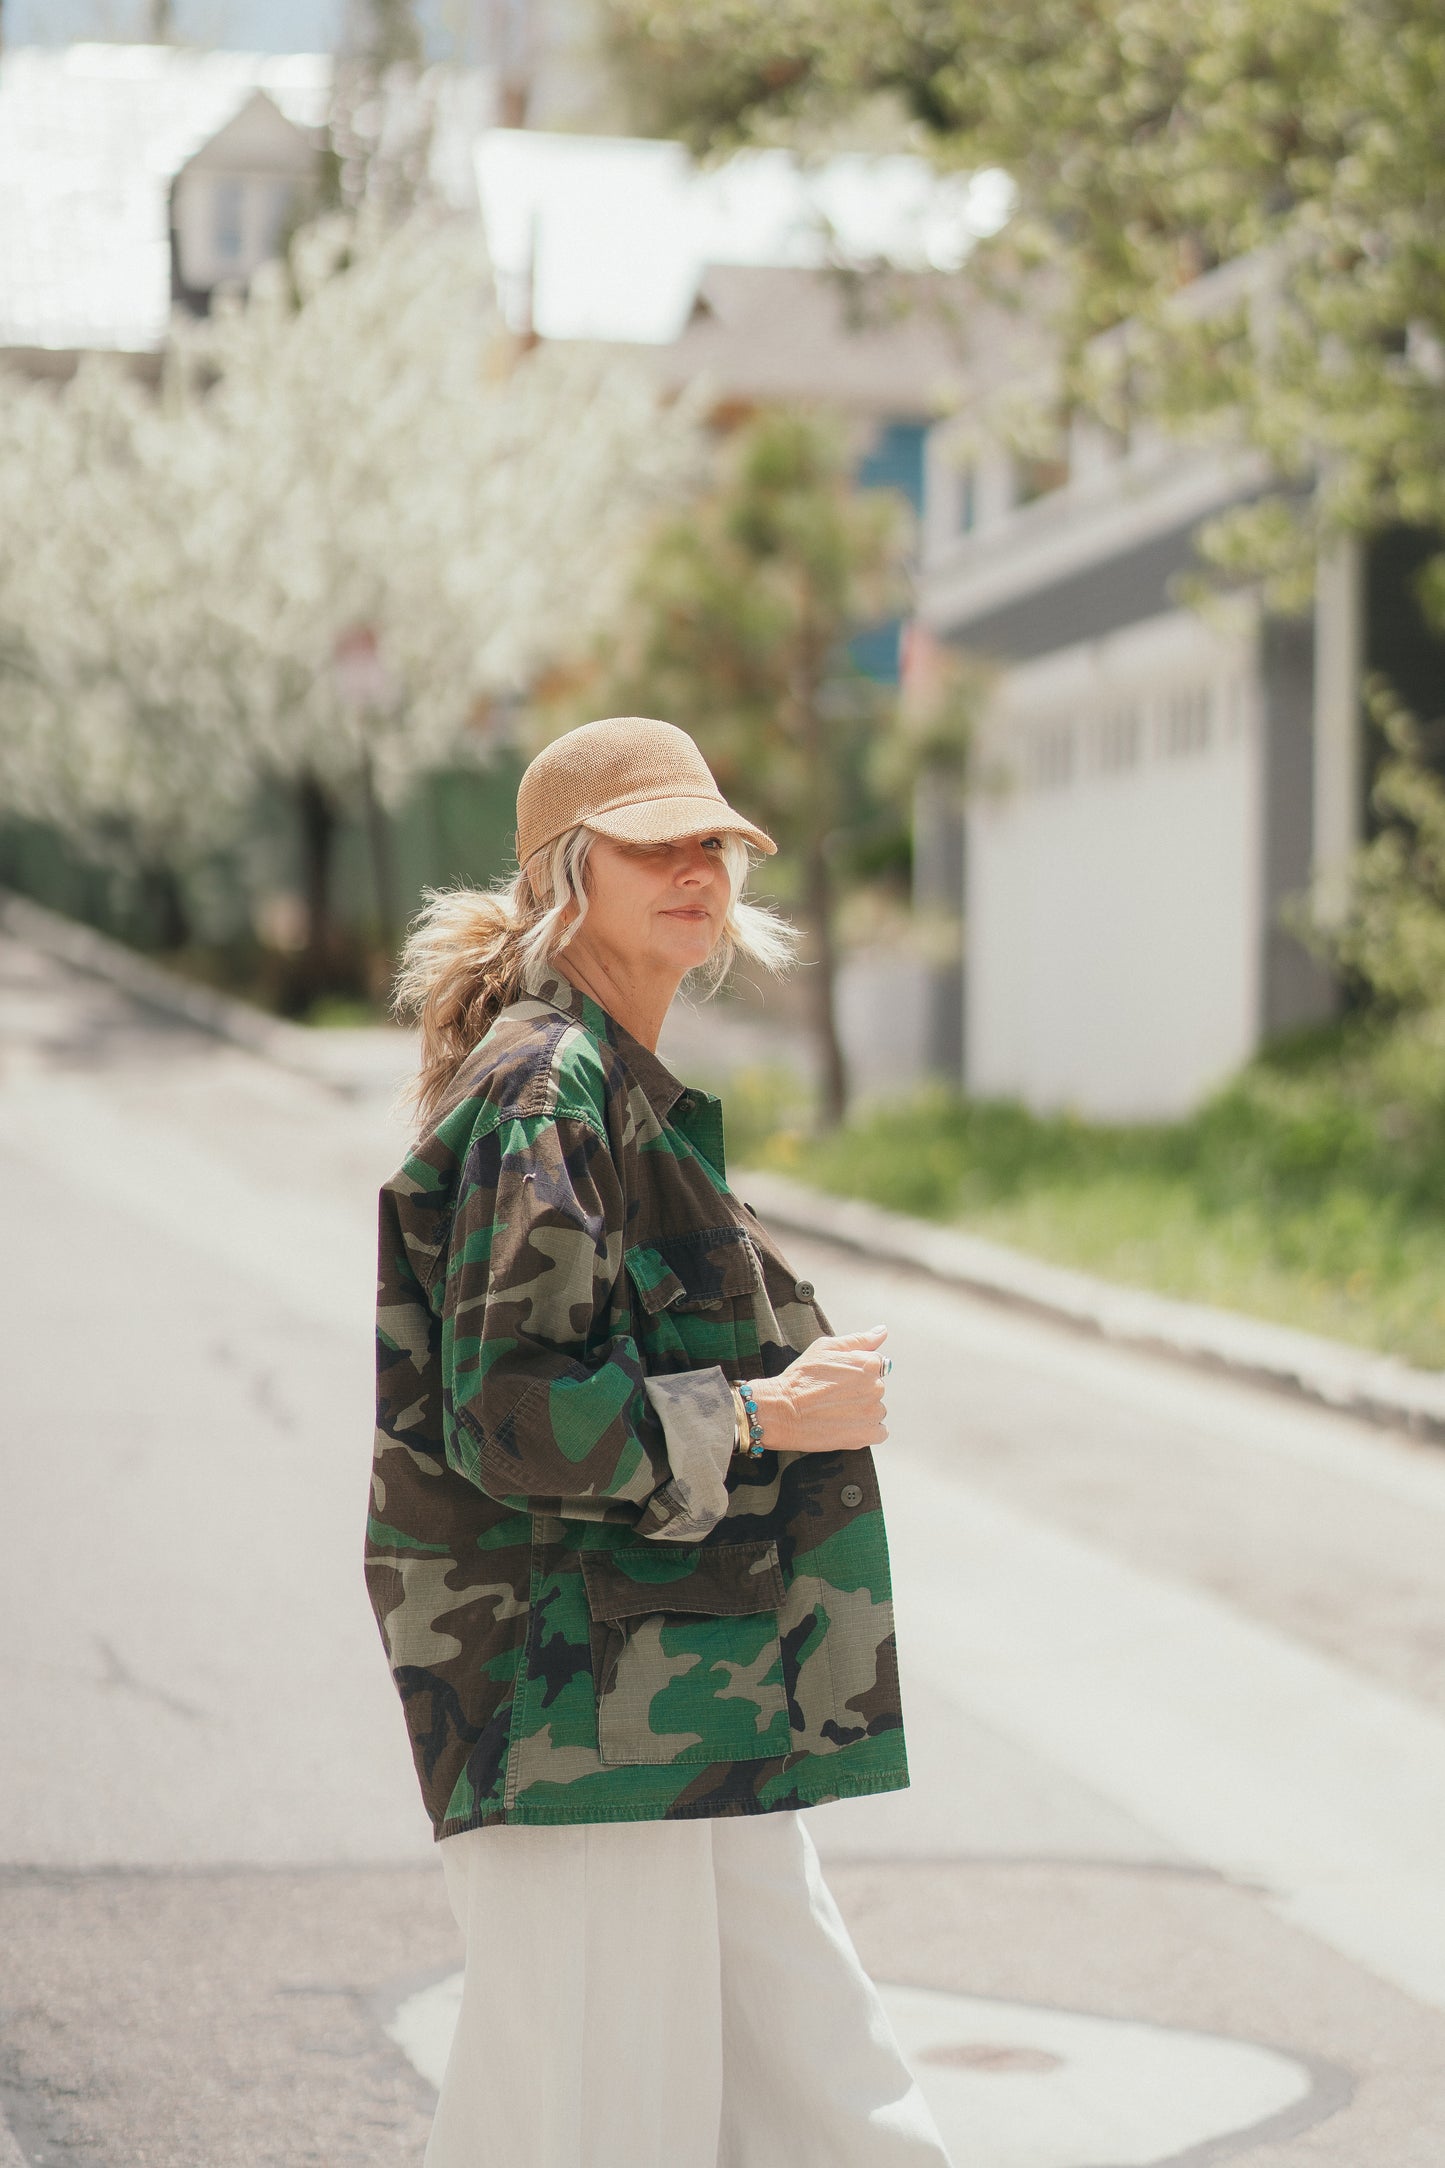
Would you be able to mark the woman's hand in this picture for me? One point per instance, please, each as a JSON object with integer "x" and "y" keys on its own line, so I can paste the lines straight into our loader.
{"x": 829, "y": 1400}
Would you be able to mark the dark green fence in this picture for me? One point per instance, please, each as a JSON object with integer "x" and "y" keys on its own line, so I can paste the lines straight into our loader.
{"x": 457, "y": 826}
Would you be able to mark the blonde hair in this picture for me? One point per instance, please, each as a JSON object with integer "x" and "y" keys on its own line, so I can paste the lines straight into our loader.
{"x": 469, "y": 949}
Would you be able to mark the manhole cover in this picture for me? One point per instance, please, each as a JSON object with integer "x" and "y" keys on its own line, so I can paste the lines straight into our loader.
{"x": 988, "y": 2055}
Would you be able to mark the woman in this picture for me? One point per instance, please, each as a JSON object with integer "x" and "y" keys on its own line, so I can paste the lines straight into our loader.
{"x": 626, "y": 1548}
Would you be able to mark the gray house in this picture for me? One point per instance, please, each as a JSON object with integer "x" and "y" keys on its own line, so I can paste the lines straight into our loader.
{"x": 233, "y": 199}
{"x": 134, "y": 176}
{"x": 1152, "y": 784}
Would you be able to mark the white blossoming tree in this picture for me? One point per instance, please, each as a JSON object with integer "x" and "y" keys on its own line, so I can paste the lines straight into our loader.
{"x": 355, "y": 516}
{"x": 118, "y": 722}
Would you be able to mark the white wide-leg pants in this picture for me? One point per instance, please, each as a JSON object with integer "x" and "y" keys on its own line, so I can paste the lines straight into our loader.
{"x": 666, "y": 1995}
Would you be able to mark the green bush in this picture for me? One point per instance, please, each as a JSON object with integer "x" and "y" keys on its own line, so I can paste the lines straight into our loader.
{"x": 1311, "y": 1189}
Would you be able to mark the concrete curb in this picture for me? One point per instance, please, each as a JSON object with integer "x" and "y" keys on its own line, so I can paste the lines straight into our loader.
{"x": 351, "y": 1063}
{"x": 1378, "y": 1388}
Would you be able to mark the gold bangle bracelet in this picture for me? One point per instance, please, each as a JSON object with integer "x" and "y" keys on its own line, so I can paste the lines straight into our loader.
{"x": 740, "y": 1421}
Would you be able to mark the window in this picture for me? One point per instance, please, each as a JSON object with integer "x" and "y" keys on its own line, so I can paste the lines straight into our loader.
{"x": 1051, "y": 756}
{"x": 279, "y": 196}
{"x": 966, "y": 499}
{"x": 1041, "y": 464}
{"x": 1119, "y": 739}
{"x": 1039, "y": 475}
{"x": 228, "y": 204}
{"x": 1186, "y": 720}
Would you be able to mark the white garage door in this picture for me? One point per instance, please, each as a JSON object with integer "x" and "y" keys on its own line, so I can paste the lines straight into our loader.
{"x": 1113, "y": 887}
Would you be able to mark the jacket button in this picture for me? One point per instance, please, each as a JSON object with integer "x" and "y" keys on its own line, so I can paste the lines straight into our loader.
{"x": 851, "y": 1495}
{"x": 804, "y": 1290}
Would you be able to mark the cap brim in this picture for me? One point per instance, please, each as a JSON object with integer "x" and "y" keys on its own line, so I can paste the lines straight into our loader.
{"x": 668, "y": 820}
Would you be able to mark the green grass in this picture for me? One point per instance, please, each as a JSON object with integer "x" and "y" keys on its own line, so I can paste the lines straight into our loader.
{"x": 342, "y": 1012}
{"x": 1311, "y": 1190}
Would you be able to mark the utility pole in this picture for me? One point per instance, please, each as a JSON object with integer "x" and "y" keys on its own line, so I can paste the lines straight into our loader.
{"x": 382, "y": 115}
{"x": 514, "y": 33}
{"x": 162, "y": 22}
{"x": 383, "y": 32}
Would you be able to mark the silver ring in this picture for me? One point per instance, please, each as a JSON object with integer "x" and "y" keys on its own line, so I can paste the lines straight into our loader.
{"x": 887, "y": 1364}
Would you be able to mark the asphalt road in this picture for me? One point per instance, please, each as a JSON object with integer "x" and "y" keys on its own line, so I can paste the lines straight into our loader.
{"x": 1170, "y": 1882}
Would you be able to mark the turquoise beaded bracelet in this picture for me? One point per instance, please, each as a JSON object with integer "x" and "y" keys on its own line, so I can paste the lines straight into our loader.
{"x": 755, "y": 1427}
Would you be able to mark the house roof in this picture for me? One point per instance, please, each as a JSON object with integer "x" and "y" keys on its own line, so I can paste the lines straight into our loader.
{"x": 601, "y": 237}
{"x": 889, "y": 344}
{"x": 591, "y": 237}
{"x": 260, "y": 137}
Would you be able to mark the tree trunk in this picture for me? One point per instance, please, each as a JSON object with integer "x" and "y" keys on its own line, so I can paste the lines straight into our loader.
{"x": 823, "y": 983}
{"x": 317, "y": 820}
{"x": 395, "y": 34}
{"x": 818, "y": 874}
{"x": 383, "y": 865}
{"x": 164, "y": 907}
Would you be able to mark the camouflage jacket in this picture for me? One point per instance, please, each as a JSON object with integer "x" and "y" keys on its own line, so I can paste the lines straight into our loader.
{"x": 593, "y": 1610}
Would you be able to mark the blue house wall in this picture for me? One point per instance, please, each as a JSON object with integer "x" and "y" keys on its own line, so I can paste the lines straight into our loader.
{"x": 894, "y": 462}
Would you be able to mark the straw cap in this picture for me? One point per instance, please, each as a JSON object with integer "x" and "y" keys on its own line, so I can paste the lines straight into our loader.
{"x": 630, "y": 778}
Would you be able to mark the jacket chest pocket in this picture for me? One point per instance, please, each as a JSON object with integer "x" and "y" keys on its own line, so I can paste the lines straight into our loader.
{"x": 685, "y": 1653}
{"x": 693, "y": 1296}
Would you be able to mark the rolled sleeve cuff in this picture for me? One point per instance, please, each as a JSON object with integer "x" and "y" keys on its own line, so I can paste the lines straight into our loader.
{"x": 695, "y": 1408}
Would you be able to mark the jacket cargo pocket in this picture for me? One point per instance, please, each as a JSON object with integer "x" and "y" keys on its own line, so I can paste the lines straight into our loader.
{"x": 693, "y": 1272}
{"x": 693, "y": 1298}
{"x": 685, "y": 1652}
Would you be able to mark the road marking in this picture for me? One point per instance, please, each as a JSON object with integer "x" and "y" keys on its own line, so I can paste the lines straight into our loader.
{"x": 1242, "y": 1748}
{"x": 1023, "y": 2087}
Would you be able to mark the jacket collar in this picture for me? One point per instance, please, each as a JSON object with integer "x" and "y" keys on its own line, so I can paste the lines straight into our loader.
{"x": 544, "y": 982}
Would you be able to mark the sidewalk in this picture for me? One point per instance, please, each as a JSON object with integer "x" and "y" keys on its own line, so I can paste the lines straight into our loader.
{"x": 361, "y": 1062}
{"x": 374, "y": 1062}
